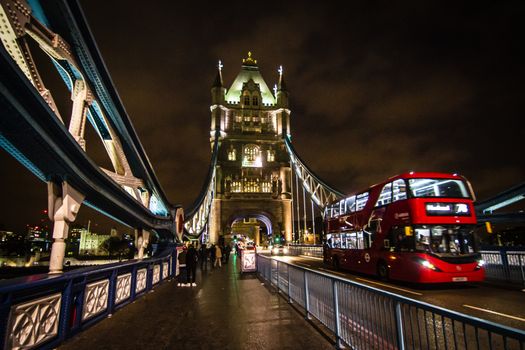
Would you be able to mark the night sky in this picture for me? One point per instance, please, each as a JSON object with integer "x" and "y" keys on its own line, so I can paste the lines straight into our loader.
{"x": 376, "y": 88}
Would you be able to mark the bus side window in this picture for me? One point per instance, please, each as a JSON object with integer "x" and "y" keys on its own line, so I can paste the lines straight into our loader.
{"x": 399, "y": 190}
{"x": 385, "y": 197}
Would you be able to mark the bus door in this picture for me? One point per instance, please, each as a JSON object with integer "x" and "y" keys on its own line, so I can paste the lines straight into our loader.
{"x": 371, "y": 232}
{"x": 368, "y": 255}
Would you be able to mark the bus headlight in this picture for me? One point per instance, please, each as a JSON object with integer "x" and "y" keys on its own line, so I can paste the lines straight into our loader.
{"x": 427, "y": 264}
{"x": 285, "y": 250}
{"x": 481, "y": 263}
{"x": 275, "y": 250}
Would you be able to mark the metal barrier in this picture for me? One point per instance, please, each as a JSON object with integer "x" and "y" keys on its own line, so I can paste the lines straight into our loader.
{"x": 503, "y": 265}
{"x": 365, "y": 317}
{"x": 44, "y": 310}
{"x": 315, "y": 250}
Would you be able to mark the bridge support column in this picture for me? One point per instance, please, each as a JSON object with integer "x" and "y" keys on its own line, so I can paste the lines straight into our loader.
{"x": 287, "y": 219}
{"x": 215, "y": 223}
{"x": 63, "y": 205}
{"x": 141, "y": 241}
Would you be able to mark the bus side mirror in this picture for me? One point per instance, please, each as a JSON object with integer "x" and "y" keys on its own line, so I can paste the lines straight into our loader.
{"x": 386, "y": 243}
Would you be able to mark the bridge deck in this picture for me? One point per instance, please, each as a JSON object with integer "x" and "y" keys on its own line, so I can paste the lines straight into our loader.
{"x": 226, "y": 310}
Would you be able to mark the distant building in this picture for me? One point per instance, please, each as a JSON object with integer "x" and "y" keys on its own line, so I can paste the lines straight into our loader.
{"x": 38, "y": 238}
{"x": 7, "y": 236}
{"x": 91, "y": 243}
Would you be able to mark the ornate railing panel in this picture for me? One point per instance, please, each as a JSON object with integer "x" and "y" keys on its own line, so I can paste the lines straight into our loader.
{"x": 156, "y": 274}
{"x": 123, "y": 288}
{"x": 95, "y": 299}
{"x": 142, "y": 275}
{"x": 165, "y": 270}
{"x": 32, "y": 323}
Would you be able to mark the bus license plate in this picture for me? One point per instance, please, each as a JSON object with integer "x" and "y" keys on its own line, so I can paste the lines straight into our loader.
{"x": 459, "y": 279}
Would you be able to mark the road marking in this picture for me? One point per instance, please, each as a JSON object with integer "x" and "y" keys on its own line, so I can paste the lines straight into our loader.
{"x": 389, "y": 286}
{"x": 495, "y": 313}
{"x": 332, "y": 271}
{"x": 311, "y": 257}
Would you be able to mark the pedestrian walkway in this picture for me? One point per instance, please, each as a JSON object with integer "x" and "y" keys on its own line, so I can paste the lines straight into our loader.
{"x": 227, "y": 310}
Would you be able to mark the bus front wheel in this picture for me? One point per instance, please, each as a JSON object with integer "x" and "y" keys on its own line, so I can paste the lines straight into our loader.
{"x": 382, "y": 270}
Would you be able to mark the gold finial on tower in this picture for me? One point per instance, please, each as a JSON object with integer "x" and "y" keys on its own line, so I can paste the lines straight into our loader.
{"x": 249, "y": 61}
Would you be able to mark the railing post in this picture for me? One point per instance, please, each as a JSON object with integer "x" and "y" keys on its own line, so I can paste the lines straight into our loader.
{"x": 505, "y": 262}
{"x": 112, "y": 291}
{"x": 289, "y": 294}
{"x": 278, "y": 278}
{"x": 65, "y": 313}
{"x": 399, "y": 327}
{"x": 521, "y": 269}
{"x": 306, "y": 296}
{"x": 133, "y": 282}
{"x": 337, "y": 323}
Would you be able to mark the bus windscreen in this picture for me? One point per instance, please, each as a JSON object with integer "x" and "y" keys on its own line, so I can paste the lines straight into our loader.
{"x": 449, "y": 188}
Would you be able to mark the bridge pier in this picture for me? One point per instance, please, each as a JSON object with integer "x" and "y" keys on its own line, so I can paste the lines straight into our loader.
{"x": 63, "y": 205}
{"x": 141, "y": 241}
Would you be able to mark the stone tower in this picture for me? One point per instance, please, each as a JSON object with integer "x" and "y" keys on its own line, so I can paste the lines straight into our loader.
{"x": 253, "y": 167}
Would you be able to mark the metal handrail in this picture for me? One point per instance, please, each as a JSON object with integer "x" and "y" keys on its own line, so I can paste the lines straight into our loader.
{"x": 365, "y": 317}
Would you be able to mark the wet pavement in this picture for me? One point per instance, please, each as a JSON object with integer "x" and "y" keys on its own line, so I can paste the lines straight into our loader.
{"x": 226, "y": 310}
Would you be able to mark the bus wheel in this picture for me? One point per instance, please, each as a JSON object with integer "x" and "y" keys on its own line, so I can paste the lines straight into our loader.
{"x": 382, "y": 270}
{"x": 335, "y": 263}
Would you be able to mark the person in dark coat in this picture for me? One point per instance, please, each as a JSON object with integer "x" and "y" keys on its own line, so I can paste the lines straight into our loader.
{"x": 226, "y": 253}
{"x": 203, "y": 256}
{"x": 191, "y": 264}
{"x": 212, "y": 254}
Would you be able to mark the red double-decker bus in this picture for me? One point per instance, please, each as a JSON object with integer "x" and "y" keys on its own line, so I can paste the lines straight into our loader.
{"x": 415, "y": 227}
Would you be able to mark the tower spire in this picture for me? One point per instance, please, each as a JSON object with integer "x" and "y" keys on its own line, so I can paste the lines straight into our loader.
{"x": 249, "y": 61}
{"x": 281, "y": 92}
{"x": 218, "y": 77}
{"x": 281, "y": 86}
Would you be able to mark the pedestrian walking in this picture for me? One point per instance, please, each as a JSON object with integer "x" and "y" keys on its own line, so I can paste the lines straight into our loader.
{"x": 218, "y": 255}
{"x": 181, "y": 261}
{"x": 203, "y": 257}
{"x": 227, "y": 250}
{"x": 212, "y": 254}
{"x": 191, "y": 265}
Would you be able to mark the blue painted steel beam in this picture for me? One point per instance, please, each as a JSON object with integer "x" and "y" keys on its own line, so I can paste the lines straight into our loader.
{"x": 67, "y": 19}
{"x": 31, "y": 129}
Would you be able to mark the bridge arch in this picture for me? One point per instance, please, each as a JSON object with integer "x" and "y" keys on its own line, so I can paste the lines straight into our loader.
{"x": 266, "y": 218}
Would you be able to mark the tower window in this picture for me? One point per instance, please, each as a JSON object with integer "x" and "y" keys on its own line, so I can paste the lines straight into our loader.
{"x": 232, "y": 154}
{"x": 255, "y": 100}
{"x": 251, "y": 156}
{"x": 246, "y": 100}
{"x": 270, "y": 156}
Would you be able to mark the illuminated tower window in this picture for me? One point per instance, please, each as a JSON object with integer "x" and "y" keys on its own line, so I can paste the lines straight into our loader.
{"x": 232, "y": 153}
{"x": 270, "y": 157}
{"x": 236, "y": 186}
{"x": 266, "y": 186}
{"x": 251, "y": 185}
{"x": 251, "y": 156}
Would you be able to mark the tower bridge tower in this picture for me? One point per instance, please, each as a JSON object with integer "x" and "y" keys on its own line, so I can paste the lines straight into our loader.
{"x": 253, "y": 167}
